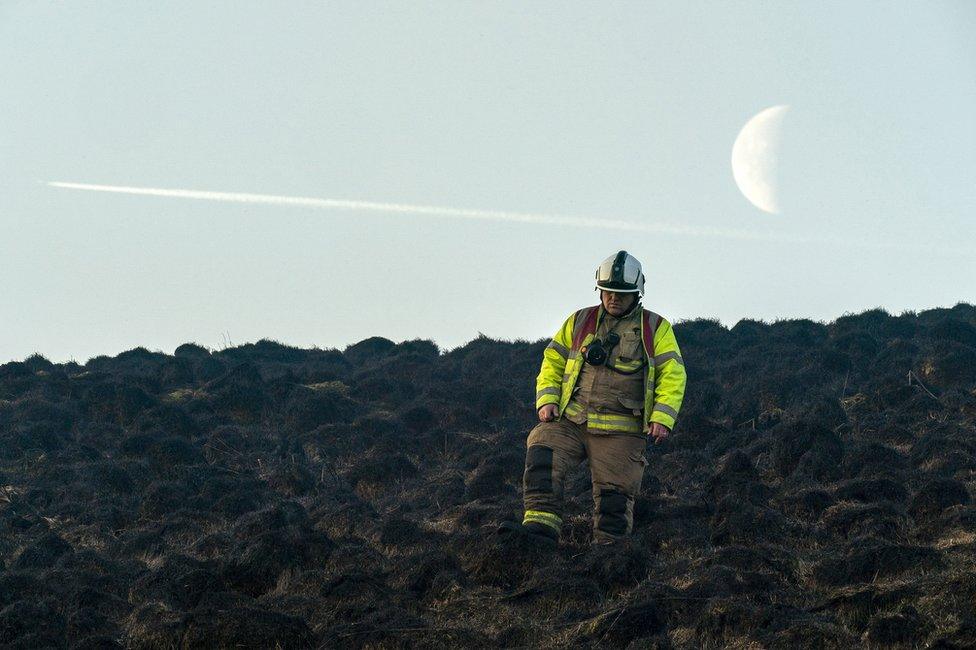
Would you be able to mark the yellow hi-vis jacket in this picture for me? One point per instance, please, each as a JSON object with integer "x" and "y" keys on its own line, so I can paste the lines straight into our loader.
{"x": 664, "y": 386}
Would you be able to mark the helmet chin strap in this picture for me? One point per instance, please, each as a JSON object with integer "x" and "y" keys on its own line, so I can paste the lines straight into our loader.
{"x": 632, "y": 307}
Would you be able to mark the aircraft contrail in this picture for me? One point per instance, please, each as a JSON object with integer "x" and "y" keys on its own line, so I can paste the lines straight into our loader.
{"x": 437, "y": 211}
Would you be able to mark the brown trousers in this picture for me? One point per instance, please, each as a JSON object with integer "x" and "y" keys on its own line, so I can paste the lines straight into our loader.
{"x": 616, "y": 467}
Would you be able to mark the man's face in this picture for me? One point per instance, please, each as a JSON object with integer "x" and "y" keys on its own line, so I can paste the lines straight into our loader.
{"x": 617, "y": 303}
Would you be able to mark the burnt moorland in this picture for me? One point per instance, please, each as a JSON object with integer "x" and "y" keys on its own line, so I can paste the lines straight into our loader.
{"x": 817, "y": 492}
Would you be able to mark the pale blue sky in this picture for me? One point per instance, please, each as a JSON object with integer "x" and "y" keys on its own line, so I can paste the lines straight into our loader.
{"x": 618, "y": 111}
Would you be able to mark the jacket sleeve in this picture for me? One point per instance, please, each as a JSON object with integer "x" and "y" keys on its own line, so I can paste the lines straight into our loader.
{"x": 548, "y": 385}
{"x": 670, "y": 377}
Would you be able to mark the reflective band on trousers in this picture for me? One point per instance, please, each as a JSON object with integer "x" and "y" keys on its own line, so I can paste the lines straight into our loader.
{"x": 664, "y": 408}
{"x": 667, "y": 356}
{"x": 612, "y": 422}
{"x": 561, "y": 349}
{"x": 539, "y": 517}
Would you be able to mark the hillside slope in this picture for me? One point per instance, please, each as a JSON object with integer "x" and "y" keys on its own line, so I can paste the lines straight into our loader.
{"x": 817, "y": 492}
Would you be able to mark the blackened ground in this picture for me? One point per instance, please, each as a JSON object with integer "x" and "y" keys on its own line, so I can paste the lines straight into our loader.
{"x": 816, "y": 493}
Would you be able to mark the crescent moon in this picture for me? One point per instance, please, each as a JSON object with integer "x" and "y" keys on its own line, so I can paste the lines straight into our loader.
{"x": 755, "y": 158}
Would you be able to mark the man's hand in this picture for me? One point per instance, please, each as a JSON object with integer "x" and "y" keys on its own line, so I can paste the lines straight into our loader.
{"x": 548, "y": 413}
{"x": 658, "y": 431}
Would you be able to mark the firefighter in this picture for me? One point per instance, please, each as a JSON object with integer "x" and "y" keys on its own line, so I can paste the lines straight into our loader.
{"x": 611, "y": 377}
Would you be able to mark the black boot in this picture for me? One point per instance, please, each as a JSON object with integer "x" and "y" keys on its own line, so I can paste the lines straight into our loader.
{"x": 536, "y": 534}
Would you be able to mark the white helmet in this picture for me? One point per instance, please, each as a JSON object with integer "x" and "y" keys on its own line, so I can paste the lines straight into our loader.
{"x": 620, "y": 273}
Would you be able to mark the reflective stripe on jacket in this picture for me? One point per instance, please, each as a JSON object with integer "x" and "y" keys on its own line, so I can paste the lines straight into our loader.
{"x": 664, "y": 386}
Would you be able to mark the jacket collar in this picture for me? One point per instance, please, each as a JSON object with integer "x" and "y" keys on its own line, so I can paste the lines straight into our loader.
{"x": 602, "y": 313}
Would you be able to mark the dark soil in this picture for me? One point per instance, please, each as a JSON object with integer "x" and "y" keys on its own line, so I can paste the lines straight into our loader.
{"x": 817, "y": 492}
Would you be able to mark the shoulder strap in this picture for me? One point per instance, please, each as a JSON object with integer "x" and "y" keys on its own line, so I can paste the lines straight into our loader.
{"x": 650, "y": 323}
{"x": 585, "y": 324}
